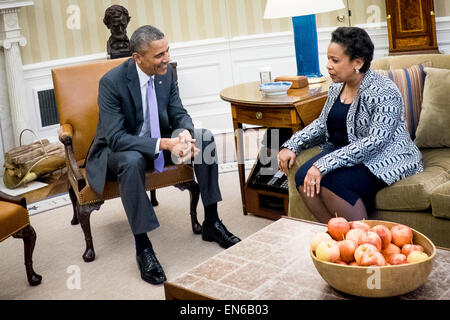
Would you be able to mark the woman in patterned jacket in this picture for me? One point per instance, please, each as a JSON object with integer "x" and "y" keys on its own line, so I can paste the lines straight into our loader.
{"x": 362, "y": 133}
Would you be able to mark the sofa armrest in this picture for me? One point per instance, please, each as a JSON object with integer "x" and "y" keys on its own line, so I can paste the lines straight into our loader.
{"x": 440, "y": 201}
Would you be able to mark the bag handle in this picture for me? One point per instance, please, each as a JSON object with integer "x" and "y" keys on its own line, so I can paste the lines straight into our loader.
{"x": 36, "y": 136}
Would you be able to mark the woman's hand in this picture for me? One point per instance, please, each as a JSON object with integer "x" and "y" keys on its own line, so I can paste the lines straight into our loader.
{"x": 312, "y": 181}
{"x": 286, "y": 159}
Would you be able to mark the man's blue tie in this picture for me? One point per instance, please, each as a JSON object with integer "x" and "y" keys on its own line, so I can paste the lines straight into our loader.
{"x": 154, "y": 121}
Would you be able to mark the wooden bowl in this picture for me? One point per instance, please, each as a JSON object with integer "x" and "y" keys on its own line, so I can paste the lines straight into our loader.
{"x": 385, "y": 281}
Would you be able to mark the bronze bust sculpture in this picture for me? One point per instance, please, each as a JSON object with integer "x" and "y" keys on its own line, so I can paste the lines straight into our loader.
{"x": 116, "y": 19}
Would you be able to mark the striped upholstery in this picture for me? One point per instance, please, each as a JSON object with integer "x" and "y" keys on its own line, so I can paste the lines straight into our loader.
{"x": 410, "y": 82}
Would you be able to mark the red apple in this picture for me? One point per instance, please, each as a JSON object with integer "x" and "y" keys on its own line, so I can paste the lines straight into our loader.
{"x": 407, "y": 248}
{"x": 372, "y": 259}
{"x": 360, "y": 250}
{"x": 347, "y": 249}
{"x": 390, "y": 249}
{"x": 374, "y": 238}
{"x": 396, "y": 258}
{"x": 339, "y": 261}
{"x": 338, "y": 228}
{"x": 317, "y": 238}
{"x": 384, "y": 233}
{"x": 356, "y": 235}
{"x": 401, "y": 235}
{"x": 359, "y": 225}
{"x": 327, "y": 250}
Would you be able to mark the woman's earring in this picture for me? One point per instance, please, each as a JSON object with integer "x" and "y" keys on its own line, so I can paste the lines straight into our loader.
{"x": 356, "y": 71}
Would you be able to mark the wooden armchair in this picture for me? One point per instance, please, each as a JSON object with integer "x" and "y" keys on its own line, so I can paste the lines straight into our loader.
{"x": 14, "y": 221}
{"x": 76, "y": 90}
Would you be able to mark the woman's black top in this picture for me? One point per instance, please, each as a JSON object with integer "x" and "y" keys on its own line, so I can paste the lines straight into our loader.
{"x": 337, "y": 123}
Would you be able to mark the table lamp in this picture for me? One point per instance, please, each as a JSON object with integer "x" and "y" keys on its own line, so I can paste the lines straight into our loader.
{"x": 305, "y": 30}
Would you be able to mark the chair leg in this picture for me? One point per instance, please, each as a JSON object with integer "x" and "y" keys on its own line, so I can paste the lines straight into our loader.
{"x": 73, "y": 199}
{"x": 84, "y": 213}
{"x": 29, "y": 240}
{"x": 153, "y": 198}
{"x": 194, "y": 192}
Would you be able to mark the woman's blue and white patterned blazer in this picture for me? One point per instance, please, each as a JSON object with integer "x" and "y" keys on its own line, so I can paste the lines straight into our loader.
{"x": 377, "y": 133}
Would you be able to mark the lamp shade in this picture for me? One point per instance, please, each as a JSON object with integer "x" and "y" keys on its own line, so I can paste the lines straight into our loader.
{"x": 294, "y": 8}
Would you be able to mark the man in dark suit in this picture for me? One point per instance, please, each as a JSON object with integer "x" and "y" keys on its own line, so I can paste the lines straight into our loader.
{"x": 140, "y": 109}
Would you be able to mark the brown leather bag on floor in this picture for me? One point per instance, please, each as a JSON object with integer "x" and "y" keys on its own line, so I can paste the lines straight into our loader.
{"x": 26, "y": 163}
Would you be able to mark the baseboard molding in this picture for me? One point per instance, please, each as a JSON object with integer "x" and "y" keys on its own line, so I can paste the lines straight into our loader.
{"x": 233, "y": 166}
{"x": 49, "y": 204}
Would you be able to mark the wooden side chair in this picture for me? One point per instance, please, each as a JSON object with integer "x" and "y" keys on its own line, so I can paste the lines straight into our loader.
{"x": 14, "y": 221}
{"x": 76, "y": 90}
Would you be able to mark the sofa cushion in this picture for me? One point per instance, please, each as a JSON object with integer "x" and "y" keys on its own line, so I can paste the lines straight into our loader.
{"x": 406, "y": 60}
{"x": 414, "y": 193}
{"x": 297, "y": 207}
{"x": 410, "y": 82}
{"x": 438, "y": 60}
{"x": 440, "y": 201}
{"x": 433, "y": 128}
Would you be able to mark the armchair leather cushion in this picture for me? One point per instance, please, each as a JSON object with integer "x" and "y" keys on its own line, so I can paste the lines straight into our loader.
{"x": 13, "y": 217}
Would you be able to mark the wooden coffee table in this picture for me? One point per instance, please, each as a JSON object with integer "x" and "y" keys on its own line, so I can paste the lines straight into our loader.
{"x": 274, "y": 263}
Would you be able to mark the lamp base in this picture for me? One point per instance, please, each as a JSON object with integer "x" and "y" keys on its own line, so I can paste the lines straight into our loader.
{"x": 312, "y": 80}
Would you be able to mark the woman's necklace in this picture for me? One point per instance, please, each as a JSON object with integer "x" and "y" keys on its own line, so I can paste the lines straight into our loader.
{"x": 351, "y": 92}
{"x": 347, "y": 96}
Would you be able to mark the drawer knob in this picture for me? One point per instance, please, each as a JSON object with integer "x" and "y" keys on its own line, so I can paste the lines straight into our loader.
{"x": 259, "y": 115}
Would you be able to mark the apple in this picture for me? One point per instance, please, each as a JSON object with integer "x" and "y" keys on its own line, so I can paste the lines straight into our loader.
{"x": 356, "y": 235}
{"x": 359, "y": 225}
{"x": 369, "y": 258}
{"x": 373, "y": 238}
{"x": 416, "y": 256}
{"x": 347, "y": 249}
{"x": 407, "y": 248}
{"x": 327, "y": 250}
{"x": 384, "y": 233}
{"x": 396, "y": 258}
{"x": 401, "y": 235}
{"x": 390, "y": 249}
{"x": 360, "y": 250}
{"x": 338, "y": 228}
{"x": 339, "y": 261}
{"x": 317, "y": 238}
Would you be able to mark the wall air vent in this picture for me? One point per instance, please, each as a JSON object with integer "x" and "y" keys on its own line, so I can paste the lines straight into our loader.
{"x": 47, "y": 107}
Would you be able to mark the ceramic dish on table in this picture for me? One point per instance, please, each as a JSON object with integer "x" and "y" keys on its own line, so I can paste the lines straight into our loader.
{"x": 275, "y": 88}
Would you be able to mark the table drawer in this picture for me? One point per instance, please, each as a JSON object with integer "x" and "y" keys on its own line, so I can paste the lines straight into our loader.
{"x": 268, "y": 117}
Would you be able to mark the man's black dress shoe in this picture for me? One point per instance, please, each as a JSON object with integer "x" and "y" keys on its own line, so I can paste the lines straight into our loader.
{"x": 218, "y": 232}
{"x": 151, "y": 270}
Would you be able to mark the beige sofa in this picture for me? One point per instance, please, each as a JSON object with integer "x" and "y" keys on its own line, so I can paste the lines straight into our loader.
{"x": 421, "y": 201}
